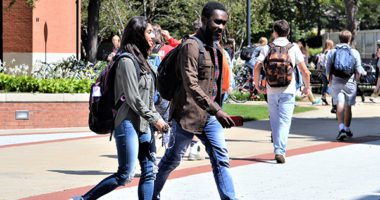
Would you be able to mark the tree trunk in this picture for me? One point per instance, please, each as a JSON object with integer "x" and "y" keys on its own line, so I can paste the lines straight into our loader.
{"x": 351, "y": 11}
{"x": 93, "y": 29}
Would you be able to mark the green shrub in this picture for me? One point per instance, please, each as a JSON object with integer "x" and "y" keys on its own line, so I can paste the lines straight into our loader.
{"x": 315, "y": 51}
{"x": 11, "y": 83}
{"x": 67, "y": 76}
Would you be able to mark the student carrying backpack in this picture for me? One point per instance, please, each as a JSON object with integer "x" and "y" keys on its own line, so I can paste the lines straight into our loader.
{"x": 168, "y": 77}
{"x": 344, "y": 62}
{"x": 133, "y": 136}
{"x": 279, "y": 58}
{"x": 278, "y": 65}
{"x": 101, "y": 105}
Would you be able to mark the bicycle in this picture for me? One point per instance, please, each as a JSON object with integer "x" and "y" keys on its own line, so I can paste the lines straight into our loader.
{"x": 244, "y": 87}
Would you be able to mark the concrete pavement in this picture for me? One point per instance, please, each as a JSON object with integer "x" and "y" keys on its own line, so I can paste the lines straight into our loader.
{"x": 59, "y": 164}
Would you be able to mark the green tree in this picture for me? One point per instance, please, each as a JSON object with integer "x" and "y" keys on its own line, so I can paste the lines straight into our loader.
{"x": 31, "y": 3}
{"x": 369, "y": 14}
{"x": 351, "y": 12}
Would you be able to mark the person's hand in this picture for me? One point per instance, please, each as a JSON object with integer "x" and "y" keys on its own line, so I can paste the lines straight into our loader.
{"x": 261, "y": 90}
{"x": 161, "y": 125}
{"x": 306, "y": 91}
{"x": 165, "y": 34}
{"x": 229, "y": 90}
{"x": 224, "y": 119}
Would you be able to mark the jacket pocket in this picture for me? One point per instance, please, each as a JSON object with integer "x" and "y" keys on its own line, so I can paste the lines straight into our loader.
{"x": 204, "y": 70}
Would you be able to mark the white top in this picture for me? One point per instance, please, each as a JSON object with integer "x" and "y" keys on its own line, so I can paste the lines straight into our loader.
{"x": 296, "y": 57}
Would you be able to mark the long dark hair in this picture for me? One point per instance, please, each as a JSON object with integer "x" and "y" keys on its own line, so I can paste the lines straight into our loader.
{"x": 134, "y": 41}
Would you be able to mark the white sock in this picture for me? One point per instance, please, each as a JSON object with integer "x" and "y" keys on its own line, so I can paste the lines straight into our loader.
{"x": 347, "y": 129}
{"x": 341, "y": 126}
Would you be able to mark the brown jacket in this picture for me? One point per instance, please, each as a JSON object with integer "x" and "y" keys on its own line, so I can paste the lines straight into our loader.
{"x": 192, "y": 103}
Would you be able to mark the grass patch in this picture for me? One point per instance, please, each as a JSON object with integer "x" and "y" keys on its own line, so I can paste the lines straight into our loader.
{"x": 256, "y": 112}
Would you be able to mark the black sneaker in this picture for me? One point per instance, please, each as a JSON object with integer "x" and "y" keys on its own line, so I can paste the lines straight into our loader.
{"x": 349, "y": 134}
{"x": 333, "y": 109}
{"x": 341, "y": 136}
{"x": 325, "y": 101}
{"x": 280, "y": 159}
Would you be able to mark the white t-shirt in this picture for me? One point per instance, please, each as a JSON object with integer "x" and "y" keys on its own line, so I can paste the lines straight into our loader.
{"x": 296, "y": 57}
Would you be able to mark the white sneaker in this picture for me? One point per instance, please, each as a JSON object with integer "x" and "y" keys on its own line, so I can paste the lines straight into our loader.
{"x": 197, "y": 156}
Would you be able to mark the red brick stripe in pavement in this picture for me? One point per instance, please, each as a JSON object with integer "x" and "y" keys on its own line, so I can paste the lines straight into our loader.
{"x": 50, "y": 141}
{"x": 268, "y": 157}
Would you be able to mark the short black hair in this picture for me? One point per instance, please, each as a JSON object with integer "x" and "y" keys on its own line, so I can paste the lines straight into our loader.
{"x": 281, "y": 27}
{"x": 210, "y": 7}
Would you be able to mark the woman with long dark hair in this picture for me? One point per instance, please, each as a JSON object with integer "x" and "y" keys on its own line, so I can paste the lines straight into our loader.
{"x": 132, "y": 123}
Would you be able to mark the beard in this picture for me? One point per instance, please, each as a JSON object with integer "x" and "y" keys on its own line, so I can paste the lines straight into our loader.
{"x": 215, "y": 34}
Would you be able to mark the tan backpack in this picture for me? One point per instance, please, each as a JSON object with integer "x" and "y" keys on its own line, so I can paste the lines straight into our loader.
{"x": 278, "y": 66}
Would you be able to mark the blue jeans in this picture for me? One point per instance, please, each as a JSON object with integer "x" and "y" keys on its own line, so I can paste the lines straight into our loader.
{"x": 213, "y": 139}
{"x": 131, "y": 146}
{"x": 325, "y": 83}
{"x": 281, "y": 108}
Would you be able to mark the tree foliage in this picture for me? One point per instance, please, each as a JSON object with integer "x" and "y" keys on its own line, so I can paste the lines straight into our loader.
{"x": 177, "y": 16}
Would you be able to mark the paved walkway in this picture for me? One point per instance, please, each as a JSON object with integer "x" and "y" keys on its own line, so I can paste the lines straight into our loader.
{"x": 56, "y": 164}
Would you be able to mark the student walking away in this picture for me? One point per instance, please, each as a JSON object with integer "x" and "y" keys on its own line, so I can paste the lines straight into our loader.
{"x": 196, "y": 104}
{"x": 281, "y": 84}
{"x": 321, "y": 67}
{"x": 344, "y": 67}
{"x": 305, "y": 54}
{"x": 376, "y": 91}
{"x": 132, "y": 133}
{"x": 249, "y": 55}
{"x": 115, "y": 48}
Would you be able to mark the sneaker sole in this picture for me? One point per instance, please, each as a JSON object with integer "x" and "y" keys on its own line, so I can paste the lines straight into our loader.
{"x": 341, "y": 138}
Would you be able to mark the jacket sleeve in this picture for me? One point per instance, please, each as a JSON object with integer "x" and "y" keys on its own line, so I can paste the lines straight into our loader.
{"x": 130, "y": 86}
{"x": 188, "y": 60}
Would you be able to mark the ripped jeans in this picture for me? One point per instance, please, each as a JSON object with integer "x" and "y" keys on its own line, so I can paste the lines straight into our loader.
{"x": 131, "y": 146}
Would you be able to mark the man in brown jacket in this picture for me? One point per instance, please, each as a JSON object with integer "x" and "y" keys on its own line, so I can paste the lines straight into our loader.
{"x": 196, "y": 106}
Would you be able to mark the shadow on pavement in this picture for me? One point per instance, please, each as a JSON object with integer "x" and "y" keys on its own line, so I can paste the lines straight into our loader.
{"x": 109, "y": 156}
{"x": 369, "y": 197}
{"x": 255, "y": 141}
{"x": 322, "y": 129}
{"x": 81, "y": 172}
{"x": 268, "y": 161}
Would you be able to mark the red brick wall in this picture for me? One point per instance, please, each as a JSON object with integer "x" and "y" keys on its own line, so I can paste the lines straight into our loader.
{"x": 44, "y": 115}
{"x": 17, "y": 27}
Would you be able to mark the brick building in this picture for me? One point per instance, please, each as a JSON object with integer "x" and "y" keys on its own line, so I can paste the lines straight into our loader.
{"x": 48, "y": 32}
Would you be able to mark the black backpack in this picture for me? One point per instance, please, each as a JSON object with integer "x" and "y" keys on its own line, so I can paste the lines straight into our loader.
{"x": 168, "y": 73}
{"x": 102, "y": 97}
{"x": 248, "y": 52}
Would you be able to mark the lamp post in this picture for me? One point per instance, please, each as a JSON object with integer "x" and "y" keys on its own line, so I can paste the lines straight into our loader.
{"x": 77, "y": 29}
{"x": 249, "y": 22}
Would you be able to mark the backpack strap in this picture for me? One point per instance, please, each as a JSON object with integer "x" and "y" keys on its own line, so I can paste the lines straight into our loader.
{"x": 288, "y": 46}
{"x": 272, "y": 46}
{"x": 116, "y": 59}
{"x": 201, "y": 48}
{"x": 132, "y": 57}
